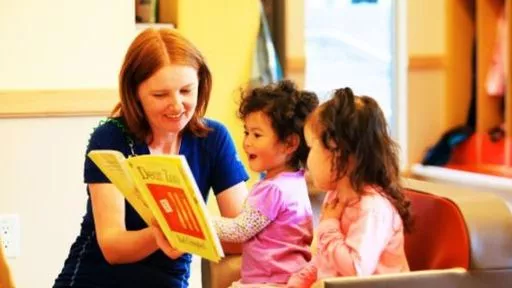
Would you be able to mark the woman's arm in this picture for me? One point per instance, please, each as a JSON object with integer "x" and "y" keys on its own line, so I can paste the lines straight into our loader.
{"x": 118, "y": 245}
{"x": 231, "y": 200}
{"x": 230, "y": 203}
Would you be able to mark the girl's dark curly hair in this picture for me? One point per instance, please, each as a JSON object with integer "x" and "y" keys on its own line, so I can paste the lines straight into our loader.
{"x": 355, "y": 125}
{"x": 287, "y": 108}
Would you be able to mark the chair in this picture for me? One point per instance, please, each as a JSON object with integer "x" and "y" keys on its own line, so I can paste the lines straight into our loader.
{"x": 455, "y": 227}
{"x": 439, "y": 240}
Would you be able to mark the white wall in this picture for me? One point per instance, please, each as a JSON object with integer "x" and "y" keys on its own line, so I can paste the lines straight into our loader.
{"x": 53, "y": 44}
{"x": 63, "y": 44}
{"x": 41, "y": 180}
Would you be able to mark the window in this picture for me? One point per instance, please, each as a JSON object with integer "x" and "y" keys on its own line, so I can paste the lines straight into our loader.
{"x": 351, "y": 43}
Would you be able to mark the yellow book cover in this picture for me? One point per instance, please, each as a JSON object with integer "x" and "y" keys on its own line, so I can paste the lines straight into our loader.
{"x": 169, "y": 191}
{"x": 113, "y": 164}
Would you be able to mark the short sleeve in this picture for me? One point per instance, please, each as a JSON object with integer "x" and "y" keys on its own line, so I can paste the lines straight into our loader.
{"x": 266, "y": 197}
{"x": 106, "y": 136}
{"x": 227, "y": 169}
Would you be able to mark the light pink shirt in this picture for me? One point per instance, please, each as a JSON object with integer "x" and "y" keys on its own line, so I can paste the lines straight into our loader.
{"x": 367, "y": 240}
{"x": 282, "y": 247}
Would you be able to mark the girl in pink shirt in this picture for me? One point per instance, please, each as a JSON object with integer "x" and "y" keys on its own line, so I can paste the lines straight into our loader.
{"x": 364, "y": 213}
{"x": 276, "y": 223}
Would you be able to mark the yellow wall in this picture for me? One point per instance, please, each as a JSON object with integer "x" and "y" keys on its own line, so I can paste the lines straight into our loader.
{"x": 56, "y": 44}
{"x": 294, "y": 46}
{"x": 226, "y": 34}
{"x": 426, "y": 22}
{"x": 294, "y": 14}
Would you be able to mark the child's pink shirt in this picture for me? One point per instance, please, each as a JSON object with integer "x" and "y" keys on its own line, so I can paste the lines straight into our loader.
{"x": 282, "y": 247}
{"x": 367, "y": 240}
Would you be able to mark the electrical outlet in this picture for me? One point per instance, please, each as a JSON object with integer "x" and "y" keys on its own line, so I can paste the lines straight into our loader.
{"x": 10, "y": 236}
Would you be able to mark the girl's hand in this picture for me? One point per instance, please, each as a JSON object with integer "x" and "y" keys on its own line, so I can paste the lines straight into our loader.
{"x": 163, "y": 244}
{"x": 332, "y": 209}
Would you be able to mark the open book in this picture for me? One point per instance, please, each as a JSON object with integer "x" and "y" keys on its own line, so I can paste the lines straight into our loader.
{"x": 162, "y": 187}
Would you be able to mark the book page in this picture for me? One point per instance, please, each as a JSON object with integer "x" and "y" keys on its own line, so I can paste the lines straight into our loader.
{"x": 177, "y": 204}
{"x": 113, "y": 164}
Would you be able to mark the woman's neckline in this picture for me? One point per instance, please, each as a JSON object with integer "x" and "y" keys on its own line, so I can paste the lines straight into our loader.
{"x": 174, "y": 150}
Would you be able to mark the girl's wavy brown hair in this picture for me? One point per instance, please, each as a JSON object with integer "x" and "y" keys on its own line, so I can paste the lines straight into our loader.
{"x": 350, "y": 125}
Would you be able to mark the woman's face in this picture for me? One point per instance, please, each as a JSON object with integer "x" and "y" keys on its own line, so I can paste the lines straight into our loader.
{"x": 169, "y": 98}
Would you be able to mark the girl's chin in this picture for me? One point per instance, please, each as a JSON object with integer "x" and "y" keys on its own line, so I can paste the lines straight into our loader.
{"x": 321, "y": 187}
{"x": 255, "y": 168}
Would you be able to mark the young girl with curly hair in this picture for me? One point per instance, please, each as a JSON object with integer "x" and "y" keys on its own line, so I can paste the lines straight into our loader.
{"x": 276, "y": 222}
{"x": 361, "y": 230}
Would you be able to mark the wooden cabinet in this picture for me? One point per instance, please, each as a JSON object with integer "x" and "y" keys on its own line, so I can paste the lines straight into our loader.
{"x": 467, "y": 22}
{"x": 469, "y": 25}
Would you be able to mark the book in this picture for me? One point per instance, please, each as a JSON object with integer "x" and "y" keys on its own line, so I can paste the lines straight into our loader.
{"x": 162, "y": 188}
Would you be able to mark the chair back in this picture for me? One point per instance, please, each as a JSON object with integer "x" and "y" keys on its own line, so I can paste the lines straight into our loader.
{"x": 439, "y": 238}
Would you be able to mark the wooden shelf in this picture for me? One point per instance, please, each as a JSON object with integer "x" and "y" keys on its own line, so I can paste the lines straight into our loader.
{"x": 470, "y": 24}
{"x": 460, "y": 33}
{"x": 426, "y": 62}
{"x": 508, "y": 102}
{"x": 488, "y": 108}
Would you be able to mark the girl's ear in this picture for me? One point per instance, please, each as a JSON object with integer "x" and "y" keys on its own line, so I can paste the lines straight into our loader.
{"x": 292, "y": 143}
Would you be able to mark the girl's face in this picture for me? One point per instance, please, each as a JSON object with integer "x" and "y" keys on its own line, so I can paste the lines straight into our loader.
{"x": 262, "y": 146}
{"x": 169, "y": 98}
{"x": 319, "y": 161}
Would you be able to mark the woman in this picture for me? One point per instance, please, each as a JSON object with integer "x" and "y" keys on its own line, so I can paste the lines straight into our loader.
{"x": 164, "y": 86}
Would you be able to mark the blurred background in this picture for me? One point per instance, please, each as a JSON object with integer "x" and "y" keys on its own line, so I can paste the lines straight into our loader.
{"x": 426, "y": 62}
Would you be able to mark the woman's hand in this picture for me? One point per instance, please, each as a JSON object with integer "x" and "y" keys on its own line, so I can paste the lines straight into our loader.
{"x": 163, "y": 243}
{"x": 332, "y": 209}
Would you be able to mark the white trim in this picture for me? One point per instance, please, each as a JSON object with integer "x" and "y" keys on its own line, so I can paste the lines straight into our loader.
{"x": 399, "y": 124}
{"x": 143, "y": 26}
{"x": 463, "y": 177}
{"x": 501, "y": 186}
